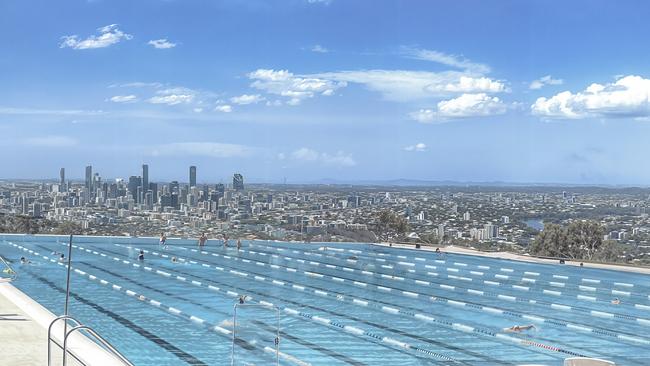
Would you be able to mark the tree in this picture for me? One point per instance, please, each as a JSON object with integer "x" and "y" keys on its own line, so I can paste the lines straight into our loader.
{"x": 578, "y": 240}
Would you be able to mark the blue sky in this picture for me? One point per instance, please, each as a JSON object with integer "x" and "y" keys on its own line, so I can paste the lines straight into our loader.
{"x": 514, "y": 91}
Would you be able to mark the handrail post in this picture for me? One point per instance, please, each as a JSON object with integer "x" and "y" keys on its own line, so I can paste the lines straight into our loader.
{"x": 67, "y": 289}
{"x": 65, "y": 318}
{"x": 101, "y": 340}
{"x": 276, "y": 341}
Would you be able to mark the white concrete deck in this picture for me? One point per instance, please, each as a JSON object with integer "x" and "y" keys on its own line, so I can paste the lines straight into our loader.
{"x": 23, "y": 335}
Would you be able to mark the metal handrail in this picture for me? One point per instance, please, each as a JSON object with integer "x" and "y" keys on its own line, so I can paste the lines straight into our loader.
{"x": 234, "y": 328}
{"x": 12, "y": 272}
{"x": 50, "y": 339}
{"x": 108, "y": 346}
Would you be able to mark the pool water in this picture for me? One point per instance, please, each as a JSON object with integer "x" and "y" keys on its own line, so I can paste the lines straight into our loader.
{"x": 339, "y": 304}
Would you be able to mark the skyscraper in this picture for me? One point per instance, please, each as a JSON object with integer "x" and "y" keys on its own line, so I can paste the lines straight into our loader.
{"x": 192, "y": 176}
{"x": 135, "y": 182}
{"x": 145, "y": 178}
{"x": 62, "y": 176}
{"x": 238, "y": 182}
{"x": 89, "y": 178}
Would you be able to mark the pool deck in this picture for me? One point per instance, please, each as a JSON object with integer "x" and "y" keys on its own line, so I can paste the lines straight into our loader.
{"x": 518, "y": 257}
{"x": 23, "y": 334}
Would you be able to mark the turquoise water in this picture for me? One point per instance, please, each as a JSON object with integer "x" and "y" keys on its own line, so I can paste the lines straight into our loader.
{"x": 340, "y": 304}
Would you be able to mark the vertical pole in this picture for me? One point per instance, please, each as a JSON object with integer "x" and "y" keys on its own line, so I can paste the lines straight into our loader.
{"x": 67, "y": 291}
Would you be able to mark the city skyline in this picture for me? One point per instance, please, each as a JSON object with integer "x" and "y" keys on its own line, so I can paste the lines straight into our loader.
{"x": 520, "y": 92}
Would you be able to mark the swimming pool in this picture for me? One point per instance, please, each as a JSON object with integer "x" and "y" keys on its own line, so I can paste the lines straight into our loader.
{"x": 340, "y": 304}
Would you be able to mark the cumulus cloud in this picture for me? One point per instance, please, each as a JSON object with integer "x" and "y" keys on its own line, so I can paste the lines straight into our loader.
{"x": 247, "y": 99}
{"x": 225, "y": 108}
{"x": 319, "y": 49}
{"x": 123, "y": 98}
{"x": 161, "y": 44}
{"x": 628, "y": 96}
{"x": 544, "y": 80}
{"x": 173, "y": 96}
{"x": 403, "y": 85}
{"x": 209, "y": 149}
{"x": 295, "y": 88}
{"x": 466, "y": 105}
{"x": 51, "y": 141}
{"x": 445, "y": 59}
{"x": 108, "y": 35}
{"x": 417, "y": 147}
{"x": 310, "y": 155}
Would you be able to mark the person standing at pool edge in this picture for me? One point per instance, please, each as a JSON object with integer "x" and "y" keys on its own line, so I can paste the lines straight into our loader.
{"x": 202, "y": 239}
{"x": 238, "y": 244}
{"x": 163, "y": 240}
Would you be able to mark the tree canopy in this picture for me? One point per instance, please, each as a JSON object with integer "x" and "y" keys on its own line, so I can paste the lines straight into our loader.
{"x": 578, "y": 240}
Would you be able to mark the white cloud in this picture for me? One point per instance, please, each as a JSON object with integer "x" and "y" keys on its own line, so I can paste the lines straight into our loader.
{"x": 174, "y": 96}
{"x": 225, "y": 108}
{"x": 629, "y": 96}
{"x": 417, "y": 147}
{"x": 403, "y": 85}
{"x": 310, "y": 155}
{"x": 544, "y": 80}
{"x": 466, "y": 105}
{"x": 51, "y": 141}
{"x": 123, "y": 98}
{"x": 319, "y": 49}
{"x": 161, "y": 44}
{"x": 209, "y": 149}
{"x": 108, "y": 35}
{"x": 295, "y": 88}
{"x": 56, "y": 112}
{"x": 445, "y": 59}
{"x": 247, "y": 99}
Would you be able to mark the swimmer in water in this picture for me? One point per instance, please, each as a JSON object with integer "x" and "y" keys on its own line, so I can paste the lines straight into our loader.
{"x": 519, "y": 328}
{"x": 242, "y": 299}
{"x": 141, "y": 255}
{"x": 616, "y": 301}
{"x": 24, "y": 260}
{"x": 174, "y": 260}
{"x": 62, "y": 258}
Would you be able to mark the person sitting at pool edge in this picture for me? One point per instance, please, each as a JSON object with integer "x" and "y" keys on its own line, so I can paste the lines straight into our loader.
{"x": 141, "y": 255}
{"x": 519, "y": 328}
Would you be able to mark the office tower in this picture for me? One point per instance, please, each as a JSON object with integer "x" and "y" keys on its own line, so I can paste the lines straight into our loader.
{"x": 148, "y": 200}
{"x": 173, "y": 187}
{"x": 238, "y": 182}
{"x": 89, "y": 178}
{"x": 192, "y": 176}
{"x": 220, "y": 188}
{"x": 153, "y": 187}
{"x": 145, "y": 178}
{"x": 134, "y": 183}
{"x": 139, "y": 197}
{"x": 62, "y": 177}
{"x": 205, "y": 192}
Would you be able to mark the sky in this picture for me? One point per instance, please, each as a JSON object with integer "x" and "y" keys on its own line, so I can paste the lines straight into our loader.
{"x": 347, "y": 90}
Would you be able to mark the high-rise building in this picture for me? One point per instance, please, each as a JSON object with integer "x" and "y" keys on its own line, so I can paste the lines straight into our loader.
{"x": 62, "y": 176}
{"x": 192, "y": 176}
{"x": 238, "y": 182}
{"x": 89, "y": 178}
{"x": 153, "y": 187}
{"x": 145, "y": 178}
{"x": 135, "y": 182}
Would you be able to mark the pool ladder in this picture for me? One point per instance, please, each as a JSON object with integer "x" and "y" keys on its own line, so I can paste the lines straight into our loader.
{"x": 9, "y": 270}
{"x": 78, "y": 327}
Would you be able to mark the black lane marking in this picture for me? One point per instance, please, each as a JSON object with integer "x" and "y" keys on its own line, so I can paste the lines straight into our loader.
{"x": 186, "y": 357}
{"x": 222, "y": 284}
{"x": 386, "y": 328}
{"x": 267, "y": 327}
